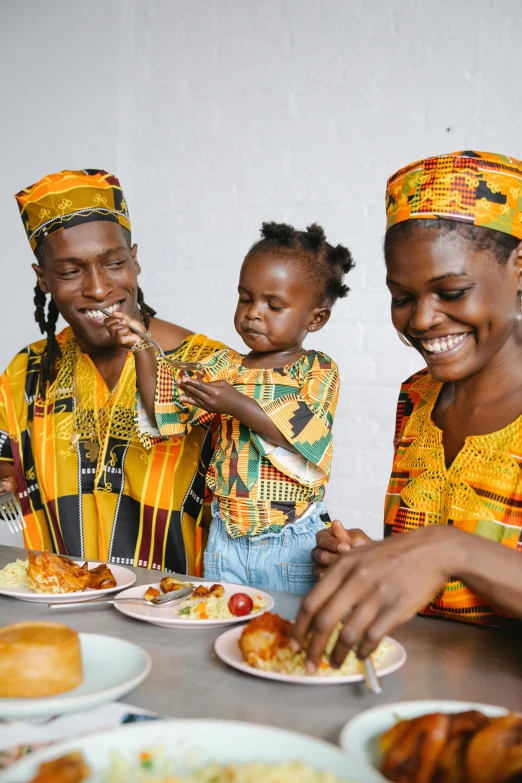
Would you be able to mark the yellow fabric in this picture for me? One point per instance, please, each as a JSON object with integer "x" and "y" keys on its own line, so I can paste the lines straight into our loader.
{"x": 125, "y": 504}
{"x": 481, "y": 492}
{"x": 68, "y": 198}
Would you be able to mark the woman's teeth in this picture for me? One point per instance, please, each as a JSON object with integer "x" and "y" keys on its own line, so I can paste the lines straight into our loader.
{"x": 98, "y": 315}
{"x": 441, "y": 344}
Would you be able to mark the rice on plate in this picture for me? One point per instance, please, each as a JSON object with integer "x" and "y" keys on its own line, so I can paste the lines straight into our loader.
{"x": 155, "y": 767}
{"x": 15, "y": 574}
{"x": 214, "y": 608}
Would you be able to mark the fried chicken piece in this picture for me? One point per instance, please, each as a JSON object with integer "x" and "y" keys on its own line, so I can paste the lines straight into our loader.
{"x": 50, "y": 573}
{"x": 495, "y": 751}
{"x": 150, "y": 593}
{"x": 101, "y": 577}
{"x": 168, "y": 584}
{"x": 201, "y": 592}
{"x": 263, "y": 636}
{"x": 413, "y": 755}
{"x": 65, "y": 769}
{"x": 451, "y": 766}
{"x": 218, "y": 591}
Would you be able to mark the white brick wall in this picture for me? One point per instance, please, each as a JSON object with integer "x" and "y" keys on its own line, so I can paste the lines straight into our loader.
{"x": 218, "y": 114}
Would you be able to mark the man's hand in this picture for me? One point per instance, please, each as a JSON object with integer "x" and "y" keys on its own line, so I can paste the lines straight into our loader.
{"x": 374, "y": 588}
{"x": 211, "y": 396}
{"x": 334, "y": 542}
{"x": 119, "y": 330}
{"x": 7, "y": 477}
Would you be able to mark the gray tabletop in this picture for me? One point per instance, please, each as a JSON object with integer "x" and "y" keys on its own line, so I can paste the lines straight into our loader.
{"x": 445, "y": 661}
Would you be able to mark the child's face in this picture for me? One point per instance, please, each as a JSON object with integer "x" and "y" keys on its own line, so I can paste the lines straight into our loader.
{"x": 278, "y": 304}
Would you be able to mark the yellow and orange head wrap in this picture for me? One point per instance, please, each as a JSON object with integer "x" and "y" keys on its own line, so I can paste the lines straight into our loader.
{"x": 480, "y": 188}
{"x": 68, "y": 198}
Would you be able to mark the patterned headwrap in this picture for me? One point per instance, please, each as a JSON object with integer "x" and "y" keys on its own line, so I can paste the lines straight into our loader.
{"x": 481, "y": 188}
{"x": 68, "y": 198}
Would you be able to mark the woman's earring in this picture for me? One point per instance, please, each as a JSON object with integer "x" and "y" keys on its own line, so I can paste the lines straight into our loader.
{"x": 403, "y": 339}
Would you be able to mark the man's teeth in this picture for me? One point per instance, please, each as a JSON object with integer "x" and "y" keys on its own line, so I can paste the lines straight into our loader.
{"x": 98, "y": 315}
{"x": 441, "y": 344}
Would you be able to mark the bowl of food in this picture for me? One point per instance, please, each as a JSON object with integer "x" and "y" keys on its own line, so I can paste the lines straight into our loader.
{"x": 192, "y": 751}
{"x": 262, "y": 648}
{"x": 47, "y": 577}
{"x": 438, "y": 742}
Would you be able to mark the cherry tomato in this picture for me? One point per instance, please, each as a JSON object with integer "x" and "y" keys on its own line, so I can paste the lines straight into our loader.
{"x": 240, "y": 604}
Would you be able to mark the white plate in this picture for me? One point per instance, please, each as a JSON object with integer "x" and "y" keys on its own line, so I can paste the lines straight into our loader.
{"x": 198, "y": 742}
{"x": 360, "y": 735}
{"x": 111, "y": 668}
{"x": 168, "y": 618}
{"x": 124, "y": 578}
{"x": 227, "y": 648}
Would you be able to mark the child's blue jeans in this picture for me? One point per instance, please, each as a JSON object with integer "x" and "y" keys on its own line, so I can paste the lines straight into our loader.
{"x": 269, "y": 561}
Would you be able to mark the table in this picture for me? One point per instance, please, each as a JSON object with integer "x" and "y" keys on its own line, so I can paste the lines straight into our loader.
{"x": 446, "y": 660}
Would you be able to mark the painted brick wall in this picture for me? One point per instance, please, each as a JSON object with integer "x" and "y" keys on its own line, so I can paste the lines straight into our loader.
{"x": 219, "y": 114}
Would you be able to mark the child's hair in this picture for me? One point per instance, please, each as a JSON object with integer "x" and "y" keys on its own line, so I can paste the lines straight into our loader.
{"x": 326, "y": 264}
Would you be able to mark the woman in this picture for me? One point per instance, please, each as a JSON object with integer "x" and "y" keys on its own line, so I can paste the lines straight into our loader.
{"x": 454, "y": 269}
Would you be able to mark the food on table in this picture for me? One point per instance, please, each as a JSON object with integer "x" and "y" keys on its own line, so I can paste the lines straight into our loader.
{"x": 218, "y": 591}
{"x": 464, "y": 747}
{"x": 212, "y": 604}
{"x": 65, "y": 769}
{"x": 14, "y": 574}
{"x": 168, "y": 584}
{"x": 38, "y": 659}
{"x": 240, "y": 604}
{"x": 101, "y": 578}
{"x": 49, "y": 573}
{"x": 156, "y": 767}
{"x": 264, "y": 644}
{"x": 151, "y": 592}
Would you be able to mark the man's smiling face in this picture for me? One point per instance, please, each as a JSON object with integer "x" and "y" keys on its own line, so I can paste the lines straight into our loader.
{"x": 85, "y": 267}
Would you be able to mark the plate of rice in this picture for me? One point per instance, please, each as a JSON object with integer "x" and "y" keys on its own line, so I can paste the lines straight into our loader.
{"x": 208, "y": 611}
{"x": 200, "y": 751}
{"x": 261, "y": 649}
{"x": 15, "y": 583}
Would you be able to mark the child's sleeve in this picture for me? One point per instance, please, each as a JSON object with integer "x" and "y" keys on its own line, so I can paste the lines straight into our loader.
{"x": 304, "y": 417}
{"x": 173, "y": 417}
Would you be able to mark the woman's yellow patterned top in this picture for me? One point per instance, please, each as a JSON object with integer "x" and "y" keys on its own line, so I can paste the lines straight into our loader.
{"x": 260, "y": 486}
{"x": 481, "y": 492}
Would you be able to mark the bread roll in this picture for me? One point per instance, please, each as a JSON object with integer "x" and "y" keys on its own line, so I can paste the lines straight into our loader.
{"x": 38, "y": 659}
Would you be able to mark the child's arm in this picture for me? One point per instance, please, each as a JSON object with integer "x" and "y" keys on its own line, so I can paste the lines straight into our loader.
{"x": 222, "y": 397}
{"x": 146, "y": 367}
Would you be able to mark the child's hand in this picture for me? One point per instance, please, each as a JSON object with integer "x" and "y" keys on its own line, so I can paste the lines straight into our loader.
{"x": 214, "y": 396}
{"x": 120, "y": 332}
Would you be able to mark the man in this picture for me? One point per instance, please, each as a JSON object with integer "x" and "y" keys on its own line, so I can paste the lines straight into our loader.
{"x": 68, "y": 445}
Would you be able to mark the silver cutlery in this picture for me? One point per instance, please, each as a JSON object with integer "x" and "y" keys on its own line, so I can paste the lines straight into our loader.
{"x": 165, "y": 599}
{"x": 173, "y": 362}
{"x": 11, "y": 512}
{"x": 370, "y": 676}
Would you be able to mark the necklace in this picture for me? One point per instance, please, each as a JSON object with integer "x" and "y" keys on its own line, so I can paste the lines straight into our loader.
{"x": 91, "y": 423}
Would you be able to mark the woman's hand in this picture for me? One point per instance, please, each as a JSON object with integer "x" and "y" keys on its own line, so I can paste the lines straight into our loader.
{"x": 119, "y": 330}
{"x": 333, "y": 542}
{"x": 211, "y": 396}
{"x": 374, "y": 588}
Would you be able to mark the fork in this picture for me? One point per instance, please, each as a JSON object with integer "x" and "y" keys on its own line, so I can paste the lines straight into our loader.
{"x": 11, "y": 512}
{"x": 173, "y": 362}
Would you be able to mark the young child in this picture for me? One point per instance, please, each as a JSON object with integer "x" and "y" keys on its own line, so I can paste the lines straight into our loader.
{"x": 275, "y": 404}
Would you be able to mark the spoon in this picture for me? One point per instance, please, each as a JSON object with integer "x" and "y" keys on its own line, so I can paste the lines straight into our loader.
{"x": 165, "y": 599}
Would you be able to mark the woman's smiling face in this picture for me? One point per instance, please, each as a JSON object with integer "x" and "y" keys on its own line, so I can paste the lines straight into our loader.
{"x": 458, "y": 305}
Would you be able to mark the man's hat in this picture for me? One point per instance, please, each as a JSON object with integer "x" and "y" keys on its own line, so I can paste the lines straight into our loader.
{"x": 69, "y": 198}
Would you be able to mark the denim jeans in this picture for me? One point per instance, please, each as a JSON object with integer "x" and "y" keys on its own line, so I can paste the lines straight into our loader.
{"x": 270, "y": 561}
